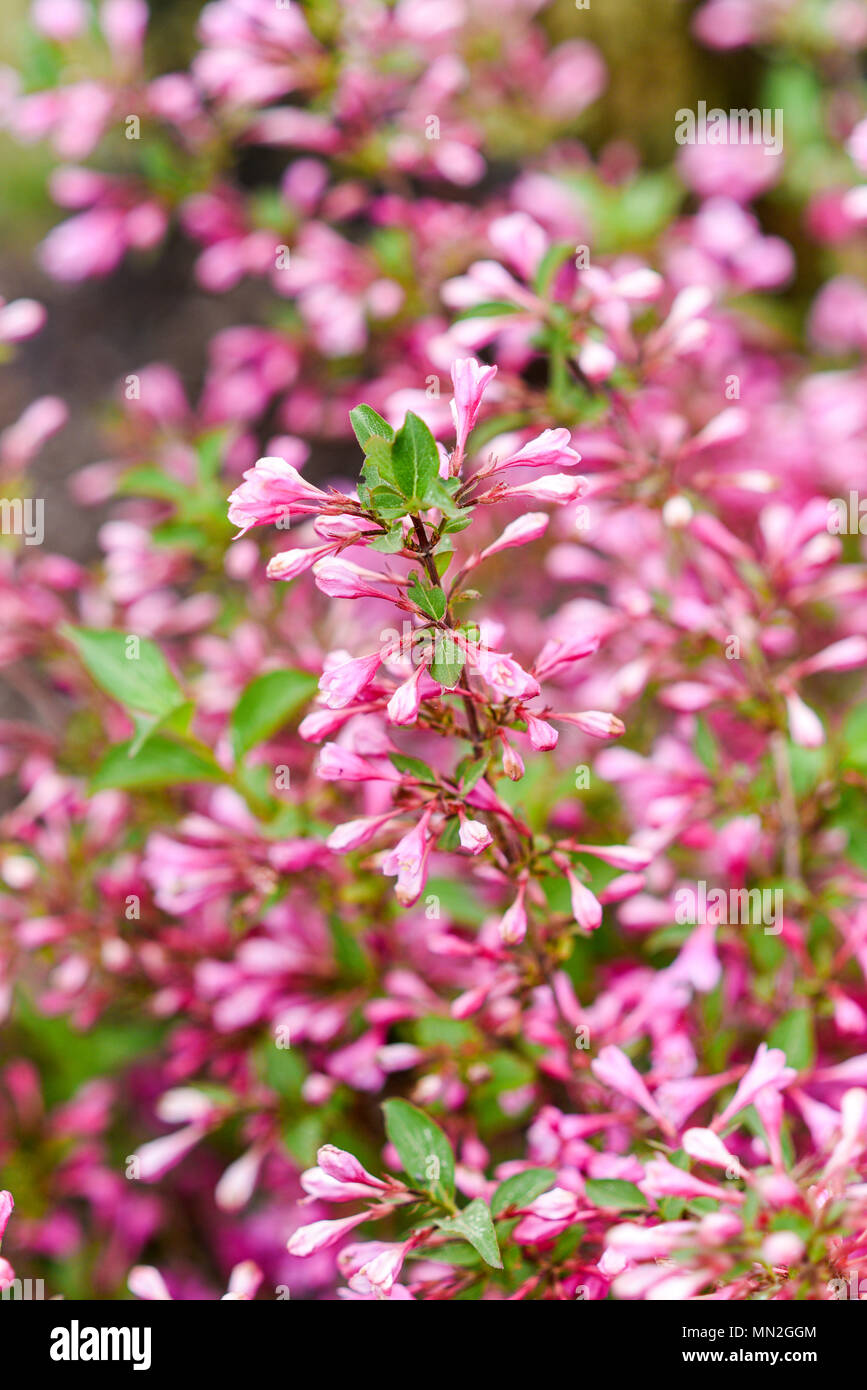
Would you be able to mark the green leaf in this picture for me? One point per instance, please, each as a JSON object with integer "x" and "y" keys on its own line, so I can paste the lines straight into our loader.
{"x": 366, "y": 422}
{"x": 148, "y": 480}
{"x": 522, "y": 1188}
{"x": 437, "y": 494}
{"x": 266, "y": 705}
{"x": 177, "y": 721}
{"x": 391, "y": 542}
{"x": 794, "y": 1034}
{"x": 412, "y": 767}
{"x": 160, "y": 763}
{"x": 209, "y": 451}
{"x": 614, "y": 1194}
{"x": 448, "y": 662}
{"x": 430, "y": 601}
{"x": 492, "y": 308}
{"x": 475, "y": 1225}
{"x": 131, "y": 669}
{"x": 423, "y": 1149}
{"x": 472, "y": 772}
{"x": 415, "y": 459}
{"x": 553, "y": 260}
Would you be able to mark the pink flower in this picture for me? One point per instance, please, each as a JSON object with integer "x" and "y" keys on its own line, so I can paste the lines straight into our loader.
{"x": 288, "y": 564}
{"x": 336, "y": 763}
{"x": 343, "y": 683}
{"x": 585, "y": 905}
{"x": 613, "y": 1068}
{"x": 557, "y": 488}
{"x": 403, "y": 707}
{"x": 663, "y": 1179}
{"x": 513, "y": 924}
{"x": 408, "y": 860}
{"x": 501, "y": 673}
{"x": 319, "y": 1235}
{"x": 470, "y": 380}
{"x": 596, "y": 723}
{"x": 522, "y": 531}
{"x": 269, "y": 492}
{"x": 805, "y": 726}
{"x": 345, "y": 1167}
{"x": 768, "y": 1068}
{"x": 375, "y": 1267}
{"x": 543, "y": 736}
{"x": 7, "y": 1206}
{"x": 550, "y": 449}
{"x": 475, "y": 836}
{"x": 355, "y": 833}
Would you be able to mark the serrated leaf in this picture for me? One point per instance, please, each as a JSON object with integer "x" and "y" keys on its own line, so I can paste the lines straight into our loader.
{"x": 474, "y": 1223}
{"x": 415, "y": 459}
{"x": 448, "y": 664}
{"x": 522, "y": 1188}
{"x": 366, "y": 422}
{"x": 390, "y": 543}
{"x": 266, "y": 704}
{"x": 141, "y": 681}
{"x": 430, "y": 601}
{"x": 423, "y": 1149}
{"x": 614, "y": 1194}
{"x": 160, "y": 763}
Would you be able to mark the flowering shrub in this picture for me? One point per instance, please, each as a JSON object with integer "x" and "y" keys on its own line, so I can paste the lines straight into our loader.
{"x": 443, "y": 793}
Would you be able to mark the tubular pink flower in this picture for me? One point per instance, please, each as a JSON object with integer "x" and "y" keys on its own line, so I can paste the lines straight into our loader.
{"x": 340, "y": 579}
{"x": 525, "y": 529}
{"x": 342, "y": 684}
{"x": 557, "y": 488}
{"x": 470, "y": 380}
{"x": 613, "y": 1068}
{"x": 596, "y": 723}
{"x": 543, "y": 736}
{"x": 345, "y": 1167}
{"x": 768, "y": 1068}
{"x": 290, "y": 563}
{"x": 663, "y": 1179}
{"x": 550, "y": 449}
{"x": 586, "y": 907}
{"x": 513, "y": 924}
{"x": 706, "y": 1147}
{"x": 159, "y": 1155}
{"x": 805, "y": 726}
{"x": 618, "y": 856}
{"x": 270, "y": 491}
{"x": 319, "y": 1235}
{"x": 408, "y": 860}
{"x": 355, "y": 833}
{"x": 336, "y": 764}
{"x": 403, "y": 707}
